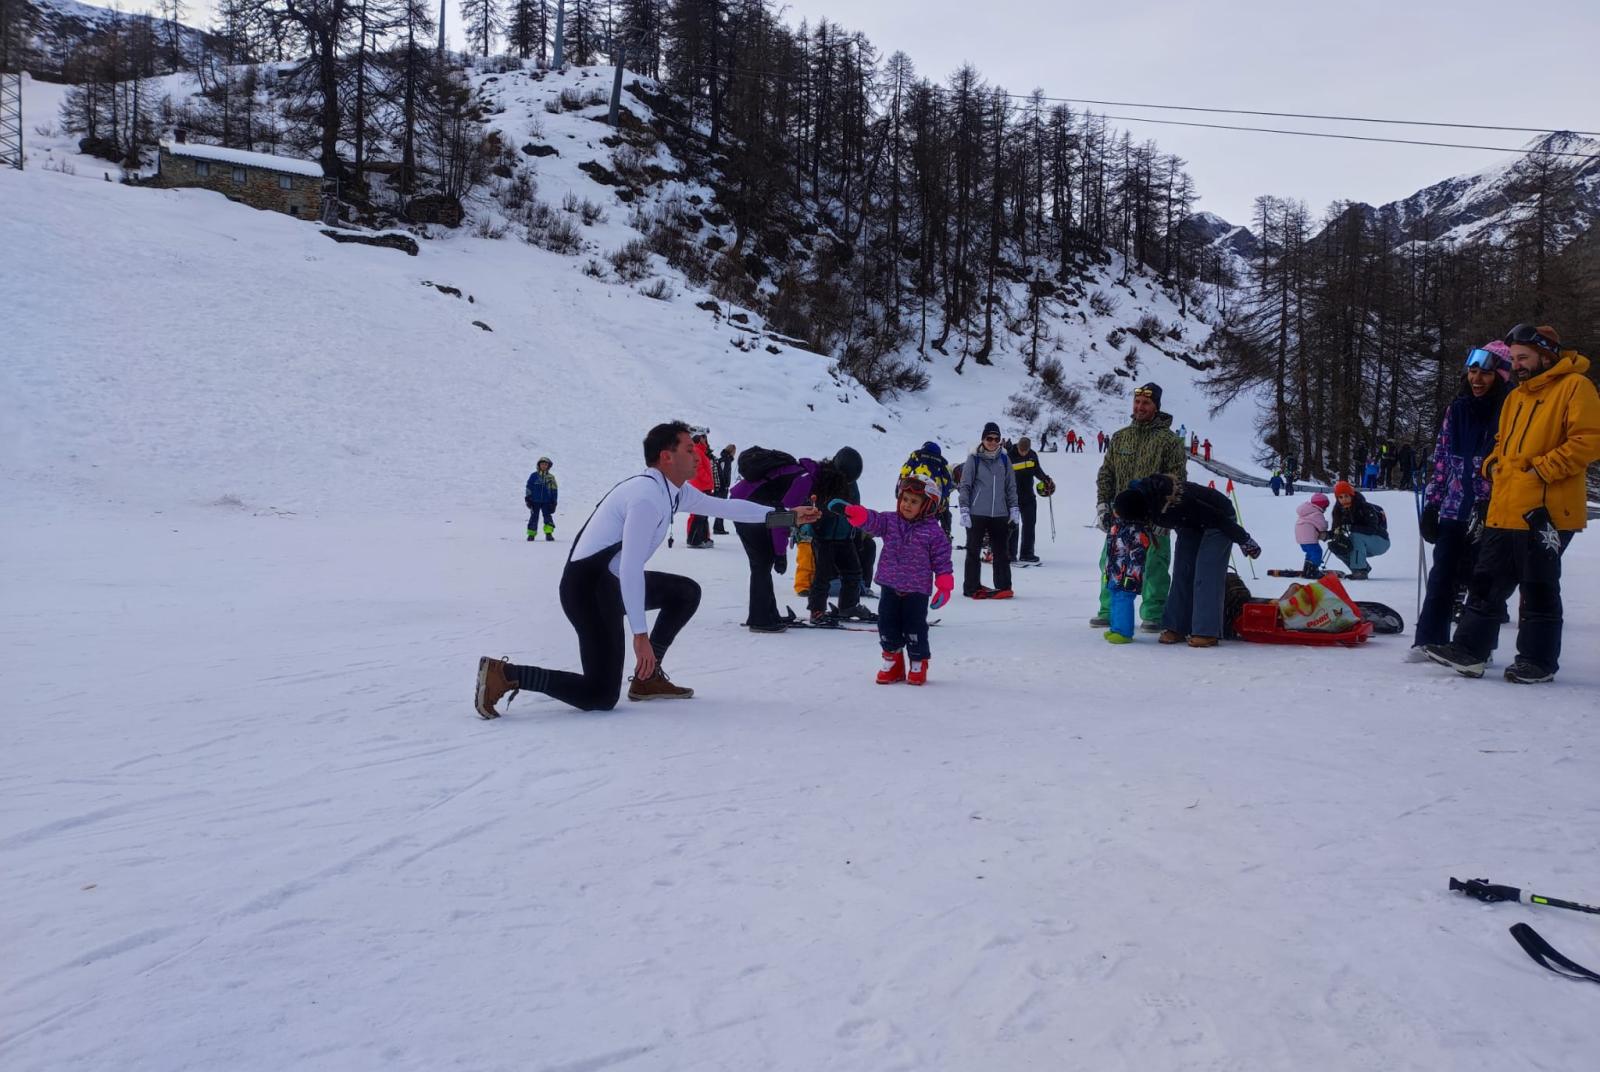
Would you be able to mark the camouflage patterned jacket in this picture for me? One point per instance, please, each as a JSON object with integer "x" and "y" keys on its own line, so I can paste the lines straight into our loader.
{"x": 1141, "y": 450}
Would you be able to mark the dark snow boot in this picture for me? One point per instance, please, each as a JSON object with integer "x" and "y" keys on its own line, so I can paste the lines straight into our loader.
{"x": 1525, "y": 672}
{"x": 1456, "y": 658}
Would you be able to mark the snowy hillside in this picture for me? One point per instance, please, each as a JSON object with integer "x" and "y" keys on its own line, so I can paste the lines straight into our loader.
{"x": 61, "y": 26}
{"x": 264, "y": 505}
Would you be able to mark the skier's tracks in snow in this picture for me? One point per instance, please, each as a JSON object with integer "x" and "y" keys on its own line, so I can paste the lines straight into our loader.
{"x": 604, "y": 1060}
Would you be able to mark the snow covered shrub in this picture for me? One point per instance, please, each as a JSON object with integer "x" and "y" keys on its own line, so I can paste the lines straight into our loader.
{"x": 1108, "y": 384}
{"x": 562, "y": 236}
{"x": 1022, "y": 409}
{"x": 572, "y": 100}
{"x": 632, "y": 261}
{"x": 591, "y": 213}
{"x": 1114, "y": 338}
{"x": 553, "y": 106}
{"x": 658, "y": 289}
{"x": 1130, "y": 360}
{"x": 1102, "y": 303}
{"x": 1147, "y": 328}
{"x": 489, "y": 227}
{"x": 1055, "y": 392}
{"x": 594, "y": 269}
{"x": 569, "y": 203}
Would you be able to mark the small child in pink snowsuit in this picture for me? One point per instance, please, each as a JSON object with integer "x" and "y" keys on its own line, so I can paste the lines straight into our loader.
{"x": 1309, "y": 528}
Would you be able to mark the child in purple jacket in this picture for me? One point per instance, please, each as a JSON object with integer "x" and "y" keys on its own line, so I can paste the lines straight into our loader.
{"x": 913, "y": 566}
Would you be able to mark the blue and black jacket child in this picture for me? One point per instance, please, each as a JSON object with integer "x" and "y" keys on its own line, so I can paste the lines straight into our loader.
{"x": 540, "y": 499}
{"x": 1126, "y": 545}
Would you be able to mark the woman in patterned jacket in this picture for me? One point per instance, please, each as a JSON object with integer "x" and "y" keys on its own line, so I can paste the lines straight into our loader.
{"x": 1458, "y": 493}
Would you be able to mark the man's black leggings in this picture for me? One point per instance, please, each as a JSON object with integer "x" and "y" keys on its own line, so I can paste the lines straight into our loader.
{"x": 592, "y": 599}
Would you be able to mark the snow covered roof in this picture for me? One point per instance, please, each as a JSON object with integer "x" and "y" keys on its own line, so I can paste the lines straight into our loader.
{"x": 242, "y": 158}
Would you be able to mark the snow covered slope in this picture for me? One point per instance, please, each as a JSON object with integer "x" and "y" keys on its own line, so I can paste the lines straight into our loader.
{"x": 263, "y": 514}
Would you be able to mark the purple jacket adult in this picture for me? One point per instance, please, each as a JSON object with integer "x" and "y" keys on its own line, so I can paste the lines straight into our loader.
{"x": 784, "y": 487}
{"x": 914, "y": 552}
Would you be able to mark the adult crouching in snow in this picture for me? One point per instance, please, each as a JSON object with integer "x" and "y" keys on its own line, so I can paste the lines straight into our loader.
{"x": 1207, "y": 529}
{"x": 988, "y": 508}
{"x": 1457, "y": 492}
{"x": 1360, "y": 531}
{"x": 1147, "y": 446}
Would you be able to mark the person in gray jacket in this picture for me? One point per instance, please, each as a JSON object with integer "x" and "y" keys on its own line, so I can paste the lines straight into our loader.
{"x": 988, "y": 508}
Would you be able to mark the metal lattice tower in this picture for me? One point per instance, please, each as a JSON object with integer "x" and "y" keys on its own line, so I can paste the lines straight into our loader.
{"x": 11, "y": 120}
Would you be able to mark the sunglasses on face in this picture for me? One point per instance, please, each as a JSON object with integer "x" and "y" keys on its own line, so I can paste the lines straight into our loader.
{"x": 1528, "y": 335}
{"x": 1479, "y": 358}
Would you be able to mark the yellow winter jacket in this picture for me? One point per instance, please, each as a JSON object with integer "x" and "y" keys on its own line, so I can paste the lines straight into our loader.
{"x": 1549, "y": 433}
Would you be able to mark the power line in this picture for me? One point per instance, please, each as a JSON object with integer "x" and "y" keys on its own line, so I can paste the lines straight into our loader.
{"x": 1346, "y": 137}
{"x": 1260, "y": 130}
{"x": 1306, "y": 115}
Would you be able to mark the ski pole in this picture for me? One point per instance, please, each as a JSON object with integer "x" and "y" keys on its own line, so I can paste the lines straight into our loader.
{"x": 1239, "y": 513}
{"x": 1416, "y": 493}
{"x": 1051, "y": 502}
{"x": 1488, "y": 892}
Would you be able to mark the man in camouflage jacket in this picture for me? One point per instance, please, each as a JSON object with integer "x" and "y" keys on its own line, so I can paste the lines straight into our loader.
{"x": 1147, "y": 446}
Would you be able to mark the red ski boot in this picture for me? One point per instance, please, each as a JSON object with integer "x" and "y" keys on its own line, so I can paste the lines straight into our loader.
{"x": 894, "y": 668}
{"x": 919, "y": 672}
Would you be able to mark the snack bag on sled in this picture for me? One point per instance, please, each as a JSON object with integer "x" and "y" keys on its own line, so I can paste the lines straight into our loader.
{"x": 1317, "y": 608}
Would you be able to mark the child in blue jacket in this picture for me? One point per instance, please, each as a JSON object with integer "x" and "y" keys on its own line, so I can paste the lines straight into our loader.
{"x": 541, "y": 499}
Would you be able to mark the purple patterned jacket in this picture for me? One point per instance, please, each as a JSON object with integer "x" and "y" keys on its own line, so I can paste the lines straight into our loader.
{"x": 1458, "y": 482}
{"x": 914, "y": 552}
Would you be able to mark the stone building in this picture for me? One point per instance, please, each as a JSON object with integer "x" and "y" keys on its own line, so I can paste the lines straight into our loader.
{"x": 261, "y": 180}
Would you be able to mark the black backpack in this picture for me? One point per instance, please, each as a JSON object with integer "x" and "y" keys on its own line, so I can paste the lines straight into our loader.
{"x": 756, "y": 462}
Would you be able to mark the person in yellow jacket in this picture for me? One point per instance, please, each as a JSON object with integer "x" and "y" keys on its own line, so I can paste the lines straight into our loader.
{"x": 1549, "y": 433}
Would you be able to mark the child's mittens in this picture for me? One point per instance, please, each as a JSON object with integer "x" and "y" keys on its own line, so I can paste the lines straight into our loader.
{"x": 856, "y": 515}
{"x": 943, "y": 585}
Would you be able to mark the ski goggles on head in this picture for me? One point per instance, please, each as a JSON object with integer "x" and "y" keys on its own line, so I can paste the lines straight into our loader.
{"x": 1143, "y": 392}
{"x": 1487, "y": 360}
{"x": 1528, "y": 335}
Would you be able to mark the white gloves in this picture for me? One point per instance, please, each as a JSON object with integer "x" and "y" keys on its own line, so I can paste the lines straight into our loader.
{"x": 1016, "y": 516}
{"x": 966, "y": 519}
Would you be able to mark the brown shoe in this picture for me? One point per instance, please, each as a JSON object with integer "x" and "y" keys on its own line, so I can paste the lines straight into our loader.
{"x": 1202, "y": 642}
{"x": 1169, "y": 637}
{"x": 657, "y": 687}
{"x": 493, "y": 683}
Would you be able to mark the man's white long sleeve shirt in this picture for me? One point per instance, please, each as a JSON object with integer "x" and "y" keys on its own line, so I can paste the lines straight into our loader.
{"x": 638, "y": 513}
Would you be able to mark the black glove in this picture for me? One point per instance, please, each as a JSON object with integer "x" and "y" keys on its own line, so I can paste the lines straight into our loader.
{"x": 1251, "y": 549}
{"x": 1428, "y": 524}
{"x": 527, "y": 500}
{"x": 780, "y": 565}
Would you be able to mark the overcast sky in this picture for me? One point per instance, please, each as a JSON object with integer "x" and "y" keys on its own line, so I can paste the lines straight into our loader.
{"x": 1526, "y": 63}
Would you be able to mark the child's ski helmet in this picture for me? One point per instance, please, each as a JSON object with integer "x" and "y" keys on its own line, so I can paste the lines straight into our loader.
{"x": 544, "y": 461}
{"x": 927, "y": 487}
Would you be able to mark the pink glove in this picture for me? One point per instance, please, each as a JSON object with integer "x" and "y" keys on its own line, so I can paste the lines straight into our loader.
{"x": 856, "y": 515}
{"x": 943, "y": 585}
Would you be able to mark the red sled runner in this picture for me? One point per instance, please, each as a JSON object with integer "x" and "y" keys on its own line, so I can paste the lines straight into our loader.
{"x": 1259, "y": 622}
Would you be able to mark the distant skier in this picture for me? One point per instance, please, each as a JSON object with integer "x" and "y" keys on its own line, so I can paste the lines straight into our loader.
{"x": 1206, "y": 447}
{"x": 605, "y": 584}
{"x": 1276, "y": 484}
{"x": 698, "y": 530}
{"x": 914, "y": 574}
{"x": 540, "y": 499}
{"x": 722, "y": 473}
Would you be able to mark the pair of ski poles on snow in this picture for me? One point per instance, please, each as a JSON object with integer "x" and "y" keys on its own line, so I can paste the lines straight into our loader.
{"x": 1532, "y": 942}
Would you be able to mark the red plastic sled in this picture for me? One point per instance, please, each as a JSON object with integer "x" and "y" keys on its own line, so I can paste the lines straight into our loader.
{"x": 1259, "y": 624}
